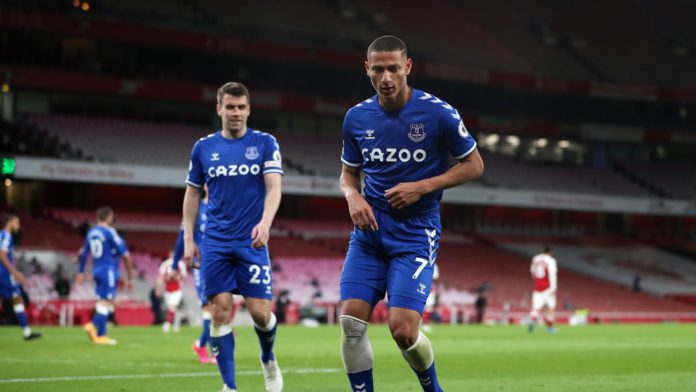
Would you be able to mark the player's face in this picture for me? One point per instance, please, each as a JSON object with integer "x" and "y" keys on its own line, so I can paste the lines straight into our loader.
{"x": 15, "y": 225}
{"x": 110, "y": 219}
{"x": 234, "y": 112}
{"x": 388, "y": 72}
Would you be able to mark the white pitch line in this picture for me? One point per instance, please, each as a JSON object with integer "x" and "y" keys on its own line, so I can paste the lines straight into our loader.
{"x": 168, "y": 375}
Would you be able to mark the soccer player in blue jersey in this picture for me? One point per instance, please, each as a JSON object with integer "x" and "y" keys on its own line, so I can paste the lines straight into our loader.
{"x": 401, "y": 139}
{"x": 242, "y": 168}
{"x": 106, "y": 248}
{"x": 199, "y": 346}
{"x": 10, "y": 277}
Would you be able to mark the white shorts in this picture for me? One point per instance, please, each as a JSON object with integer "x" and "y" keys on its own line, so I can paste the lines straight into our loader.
{"x": 543, "y": 298}
{"x": 173, "y": 299}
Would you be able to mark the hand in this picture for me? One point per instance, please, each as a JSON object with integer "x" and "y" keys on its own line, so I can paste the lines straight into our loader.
{"x": 260, "y": 235}
{"x": 404, "y": 194}
{"x": 18, "y": 277}
{"x": 361, "y": 213}
{"x": 191, "y": 254}
{"x": 79, "y": 278}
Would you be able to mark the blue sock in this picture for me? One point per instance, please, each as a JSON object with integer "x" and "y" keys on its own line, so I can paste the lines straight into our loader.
{"x": 205, "y": 335}
{"x": 222, "y": 340}
{"x": 267, "y": 338}
{"x": 361, "y": 381}
{"x": 428, "y": 379}
{"x": 22, "y": 318}
{"x": 101, "y": 315}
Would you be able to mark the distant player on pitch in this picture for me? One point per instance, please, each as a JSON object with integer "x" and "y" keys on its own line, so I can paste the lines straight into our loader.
{"x": 10, "y": 277}
{"x": 106, "y": 248}
{"x": 401, "y": 140}
{"x": 544, "y": 273}
{"x": 200, "y": 344}
{"x": 243, "y": 169}
{"x": 171, "y": 278}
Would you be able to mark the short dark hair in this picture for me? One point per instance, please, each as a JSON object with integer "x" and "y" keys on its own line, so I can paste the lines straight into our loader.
{"x": 7, "y": 218}
{"x": 547, "y": 248}
{"x": 232, "y": 88}
{"x": 387, "y": 43}
{"x": 103, "y": 213}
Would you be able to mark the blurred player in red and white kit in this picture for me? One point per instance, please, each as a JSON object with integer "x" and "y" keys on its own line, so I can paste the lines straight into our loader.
{"x": 544, "y": 273}
{"x": 172, "y": 279}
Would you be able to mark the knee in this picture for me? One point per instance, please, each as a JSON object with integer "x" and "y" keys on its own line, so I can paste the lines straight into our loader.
{"x": 404, "y": 334}
{"x": 261, "y": 317}
{"x": 353, "y": 329}
{"x": 221, "y": 314}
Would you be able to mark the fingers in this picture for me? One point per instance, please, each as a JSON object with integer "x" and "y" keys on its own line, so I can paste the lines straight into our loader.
{"x": 365, "y": 220}
{"x": 260, "y": 240}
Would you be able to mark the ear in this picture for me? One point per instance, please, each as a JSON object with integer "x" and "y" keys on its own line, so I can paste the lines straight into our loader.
{"x": 409, "y": 66}
{"x": 217, "y": 109}
{"x": 367, "y": 67}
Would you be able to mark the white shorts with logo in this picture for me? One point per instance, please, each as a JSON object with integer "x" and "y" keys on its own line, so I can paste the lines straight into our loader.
{"x": 543, "y": 298}
{"x": 172, "y": 299}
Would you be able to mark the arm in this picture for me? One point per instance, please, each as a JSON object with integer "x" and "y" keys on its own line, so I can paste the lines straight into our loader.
{"x": 18, "y": 276}
{"x": 360, "y": 212}
{"x": 178, "y": 249}
{"x": 553, "y": 277}
{"x": 159, "y": 284}
{"x": 192, "y": 200}
{"x": 129, "y": 271}
{"x": 261, "y": 232}
{"x": 80, "y": 277}
{"x": 407, "y": 193}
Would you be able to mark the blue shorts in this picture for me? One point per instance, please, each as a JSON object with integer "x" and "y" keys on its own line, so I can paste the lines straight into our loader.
{"x": 236, "y": 269}
{"x": 198, "y": 283}
{"x": 398, "y": 259}
{"x": 106, "y": 284}
{"x": 8, "y": 287}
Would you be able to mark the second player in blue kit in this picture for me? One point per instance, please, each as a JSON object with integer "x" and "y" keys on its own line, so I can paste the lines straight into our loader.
{"x": 401, "y": 139}
{"x": 242, "y": 168}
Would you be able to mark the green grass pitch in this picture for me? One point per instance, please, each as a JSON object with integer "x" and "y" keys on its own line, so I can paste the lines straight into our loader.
{"x": 480, "y": 358}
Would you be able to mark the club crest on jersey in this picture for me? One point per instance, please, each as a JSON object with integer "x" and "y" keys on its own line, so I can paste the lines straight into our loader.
{"x": 215, "y": 156}
{"x": 416, "y": 133}
{"x": 421, "y": 288}
{"x": 252, "y": 153}
{"x": 369, "y": 134}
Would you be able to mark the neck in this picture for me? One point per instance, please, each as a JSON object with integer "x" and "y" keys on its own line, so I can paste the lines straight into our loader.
{"x": 237, "y": 134}
{"x": 398, "y": 101}
{"x": 103, "y": 224}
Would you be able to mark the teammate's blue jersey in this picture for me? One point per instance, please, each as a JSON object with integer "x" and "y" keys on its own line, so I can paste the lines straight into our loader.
{"x": 405, "y": 145}
{"x": 7, "y": 246}
{"x": 105, "y": 246}
{"x": 234, "y": 170}
{"x": 198, "y": 233}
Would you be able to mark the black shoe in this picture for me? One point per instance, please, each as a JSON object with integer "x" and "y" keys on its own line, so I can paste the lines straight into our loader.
{"x": 32, "y": 336}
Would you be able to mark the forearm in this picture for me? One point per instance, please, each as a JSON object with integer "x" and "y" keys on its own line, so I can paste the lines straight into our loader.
{"x": 83, "y": 261}
{"x": 6, "y": 262}
{"x": 192, "y": 200}
{"x": 349, "y": 183}
{"x": 464, "y": 171}
{"x": 129, "y": 266}
{"x": 271, "y": 203}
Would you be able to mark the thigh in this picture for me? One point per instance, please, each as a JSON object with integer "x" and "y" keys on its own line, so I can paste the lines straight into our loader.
{"x": 218, "y": 271}
{"x": 538, "y": 300}
{"x": 551, "y": 301}
{"x": 105, "y": 284}
{"x": 253, "y": 272}
{"x": 413, "y": 251}
{"x": 173, "y": 299}
{"x": 9, "y": 288}
{"x": 364, "y": 274}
